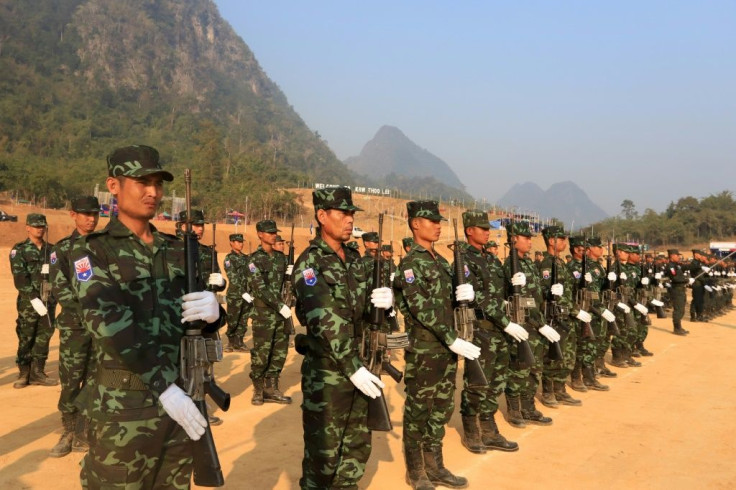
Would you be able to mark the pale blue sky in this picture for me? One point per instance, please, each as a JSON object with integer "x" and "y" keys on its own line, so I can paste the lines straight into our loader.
{"x": 629, "y": 99}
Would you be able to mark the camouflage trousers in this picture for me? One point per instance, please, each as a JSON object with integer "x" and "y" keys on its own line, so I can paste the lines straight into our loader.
{"x": 521, "y": 380}
{"x": 628, "y": 330}
{"x": 76, "y": 365}
{"x": 270, "y": 344}
{"x": 587, "y": 349}
{"x": 642, "y": 327}
{"x": 238, "y": 312}
{"x": 430, "y": 394}
{"x": 494, "y": 360}
{"x": 602, "y": 336}
{"x": 148, "y": 453}
{"x": 560, "y": 370}
{"x": 337, "y": 442}
{"x": 34, "y": 332}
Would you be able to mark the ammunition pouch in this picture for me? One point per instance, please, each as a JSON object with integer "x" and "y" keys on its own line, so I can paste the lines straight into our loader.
{"x": 304, "y": 344}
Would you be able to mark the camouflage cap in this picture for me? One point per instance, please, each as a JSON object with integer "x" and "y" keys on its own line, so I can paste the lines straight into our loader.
{"x": 352, "y": 244}
{"x": 236, "y": 237}
{"x": 539, "y": 252}
{"x": 553, "y": 231}
{"x": 86, "y": 204}
{"x": 673, "y": 251}
{"x": 577, "y": 241}
{"x": 370, "y": 236}
{"x": 334, "y": 198}
{"x": 519, "y": 228}
{"x": 424, "y": 209}
{"x": 267, "y": 226}
{"x": 633, "y": 249}
{"x": 407, "y": 241}
{"x": 36, "y": 220}
{"x": 595, "y": 241}
{"x": 387, "y": 247}
{"x": 492, "y": 243}
{"x": 279, "y": 239}
{"x": 476, "y": 217}
{"x": 197, "y": 216}
{"x": 135, "y": 161}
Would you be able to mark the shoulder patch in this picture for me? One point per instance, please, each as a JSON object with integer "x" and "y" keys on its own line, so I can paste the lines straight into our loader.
{"x": 13, "y": 253}
{"x": 83, "y": 269}
{"x": 227, "y": 264}
{"x": 310, "y": 277}
{"x": 409, "y": 275}
{"x": 252, "y": 267}
{"x": 576, "y": 274}
{"x": 52, "y": 257}
{"x": 467, "y": 271}
{"x": 546, "y": 273}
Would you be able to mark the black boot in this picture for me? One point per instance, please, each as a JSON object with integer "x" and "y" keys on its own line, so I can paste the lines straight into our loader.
{"x": 415, "y": 474}
{"x": 436, "y": 471}
{"x": 563, "y": 396}
{"x": 272, "y": 394}
{"x": 513, "y": 403}
{"x": 630, "y": 360}
{"x": 471, "y": 435}
{"x": 492, "y": 438}
{"x": 531, "y": 414}
{"x": 231, "y": 342}
{"x": 240, "y": 346}
{"x": 81, "y": 429}
{"x": 257, "y": 392}
{"x": 576, "y": 378}
{"x": 24, "y": 372}
{"x": 64, "y": 446}
{"x": 548, "y": 393}
{"x": 38, "y": 376}
{"x": 643, "y": 350}
{"x": 590, "y": 381}
{"x": 603, "y": 370}
{"x": 618, "y": 359}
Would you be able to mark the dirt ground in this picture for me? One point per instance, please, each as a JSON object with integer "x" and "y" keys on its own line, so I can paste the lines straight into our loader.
{"x": 667, "y": 424}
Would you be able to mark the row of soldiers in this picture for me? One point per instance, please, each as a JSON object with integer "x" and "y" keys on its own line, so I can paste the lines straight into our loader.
{"x": 579, "y": 307}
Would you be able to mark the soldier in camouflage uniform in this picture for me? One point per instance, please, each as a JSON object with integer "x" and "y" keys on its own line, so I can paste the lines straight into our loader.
{"x": 238, "y": 308}
{"x": 491, "y": 248}
{"x": 424, "y": 294}
{"x": 406, "y": 243}
{"x": 479, "y": 405}
{"x": 522, "y": 381}
{"x": 76, "y": 360}
{"x": 29, "y": 264}
{"x": 270, "y": 338}
{"x": 676, "y": 274}
{"x": 639, "y": 312}
{"x": 130, "y": 281}
{"x": 620, "y": 354}
{"x": 332, "y": 300}
{"x": 642, "y": 296}
{"x": 602, "y": 315}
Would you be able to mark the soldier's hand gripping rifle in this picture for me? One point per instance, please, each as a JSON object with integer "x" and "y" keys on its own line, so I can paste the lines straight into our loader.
{"x": 610, "y": 299}
{"x": 465, "y": 317}
{"x": 585, "y": 297}
{"x": 516, "y": 307}
{"x": 552, "y": 313}
{"x": 199, "y": 352}
{"x": 287, "y": 291}
{"x": 45, "y": 293}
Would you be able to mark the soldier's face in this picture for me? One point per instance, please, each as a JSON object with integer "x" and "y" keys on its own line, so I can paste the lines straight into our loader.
{"x": 427, "y": 229}
{"x": 336, "y": 224}
{"x": 279, "y": 246}
{"x": 523, "y": 244}
{"x": 138, "y": 197}
{"x": 595, "y": 252}
{"x": 386, "y": 254}
{"x": 477, "y": 237}
{"x": 85, "y": 222}
{"x": 493, "y": 250}
{"x": 634, "y": 258}
{"x": 267, "y": 238}
{"x": 237, "y": 246}
{"x": 559, "y": 244}
{"x": 198, "y": 230}
{"x": 35, "y": 232}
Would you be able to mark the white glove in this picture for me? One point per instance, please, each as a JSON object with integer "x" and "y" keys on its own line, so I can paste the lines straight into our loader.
{"x": 201, "y": 305}
{"x": 39, "y": 306}
{"x": 710, "y": 274}
{"x": 658, "y": 275}
{"x": 624, "y": 307}
{"x": 707, "y": 288}
{"x": 367, "y": 382}
{"x": 656, "y": 302}
{"x": 691, "y": 281}
{"x": 466, "y": 349}
{"x": 608, "y": 316}
{"x": 289, "y": 269}
{"x": 45, "y": 269}
{"x": 247, "y": 297}
{"x": 464, "y": 292}
{"x": 285, "y": 311}
{"x": 611, "y": 276}
{"x": 645, "y": 281}
{"x": 584, "y": 316}
{"x": 382, "y": 298}
{"x": 624, "y": 276}
{"x": 549, "y": 333}
{"x": 518, "y": 279}
{"x": 516, "y": 331}
{"x": 588, "y": 277}
{"x": 705, "y": 268}
{"x": 391, "y": 277}
{"x": 641, "y": 309}
{"x": 216, "y": 279}
{"x": 182, "y": 409}
{"x": 557, "y": 289}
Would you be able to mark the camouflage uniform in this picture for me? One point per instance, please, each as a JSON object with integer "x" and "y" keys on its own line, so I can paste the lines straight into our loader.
{"x": 331, "y": 303}
{"x": 238, "y": 310}
{"x": 34, "y": 331}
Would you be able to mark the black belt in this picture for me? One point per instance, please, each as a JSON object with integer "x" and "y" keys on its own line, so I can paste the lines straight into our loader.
{"x": 120, "y": 378}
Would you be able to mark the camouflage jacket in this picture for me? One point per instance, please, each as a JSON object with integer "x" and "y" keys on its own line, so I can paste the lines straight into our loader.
{"x": 236, "y": 268}
{"x": 265, "y": 278}
{"x": 535, "y": 317}
{"x": 332, "y": 301}
{"x": 388, "y": 268}
{"x": 26, "y": 261}
{"x": 424, "y": 295}
{"x": 564, "y": 277}
{"x": 61, "y": 286}
{"x": 575, "y": 267}
{"x": 205, "y": 267}
{"x": 485, "y": 273}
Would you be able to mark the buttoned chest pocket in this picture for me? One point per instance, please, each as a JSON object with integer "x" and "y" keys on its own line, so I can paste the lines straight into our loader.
{"x": 135, "y": 281}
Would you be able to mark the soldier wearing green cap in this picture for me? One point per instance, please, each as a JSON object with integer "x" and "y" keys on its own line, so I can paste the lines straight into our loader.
{"x": 406, "y": 243}
{"x": 76, "y": 360}
{"x": 330, "y": 285}
{"x": 626, "y": 279}
{"x": 209, "y": 267}
{"x": 676, "y": 274}
{"x": 492, "y": 248}
{"x": 641, "y": 283}
{"x": 370, "y": 241}
{"x": 479, "y": 404}
{"x": 29, "y": 264}
{"x": 239, "y": 302}
{"x": 131, "y": 285}
{"x": 266, "y": 270}
{"x": 424, "y": 294}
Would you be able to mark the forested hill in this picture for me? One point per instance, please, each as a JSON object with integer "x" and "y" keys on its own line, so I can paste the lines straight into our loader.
{"x": 80, "y": 77}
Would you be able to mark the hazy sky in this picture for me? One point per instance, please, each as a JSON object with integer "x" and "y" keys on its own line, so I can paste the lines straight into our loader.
{"x": 629, "y": 99}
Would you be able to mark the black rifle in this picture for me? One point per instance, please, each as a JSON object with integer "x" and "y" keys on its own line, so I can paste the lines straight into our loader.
{"x": 45, "y": 292}
{"x": 585, "y": 298}
{"x": 608, "y": 294}
{"x": 197, "y": 357}
{"x": 516, "y": 307}
{"x": 465, "y": 318}
{"x": 553, "y": 313}
{"x": 287, "y": 293}
{"x": 643, "y": 293}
